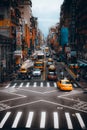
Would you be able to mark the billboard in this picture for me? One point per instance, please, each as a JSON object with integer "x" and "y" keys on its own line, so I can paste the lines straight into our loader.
{"x": 64, "y": 34}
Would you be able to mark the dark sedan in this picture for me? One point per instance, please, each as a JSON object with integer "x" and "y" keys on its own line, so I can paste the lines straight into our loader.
{"x": 52, "y": 76}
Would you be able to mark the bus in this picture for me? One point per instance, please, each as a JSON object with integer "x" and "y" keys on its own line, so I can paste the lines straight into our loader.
{"x": 40, "y": 56}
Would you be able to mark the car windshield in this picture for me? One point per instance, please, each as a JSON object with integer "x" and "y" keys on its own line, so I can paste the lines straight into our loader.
{"x": 52, "y": 73}
{"x": 39, "y": 64}
{"x": 66, "y": 82}
{"x": 50, "y": 62}
{"x": 36, "y": 70}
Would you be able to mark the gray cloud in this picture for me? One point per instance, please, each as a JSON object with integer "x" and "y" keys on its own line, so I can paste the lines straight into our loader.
{"x": 48, "y": 12}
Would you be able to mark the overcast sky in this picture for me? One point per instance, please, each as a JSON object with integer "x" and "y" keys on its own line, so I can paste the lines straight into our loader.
{"x": 47, "y": 12}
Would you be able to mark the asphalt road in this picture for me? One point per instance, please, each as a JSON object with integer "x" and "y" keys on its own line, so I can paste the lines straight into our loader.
{"x": 42, "y": 105}
{"x": 39, "y": 105}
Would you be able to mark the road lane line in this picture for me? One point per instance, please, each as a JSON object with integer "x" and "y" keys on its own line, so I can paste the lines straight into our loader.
{"x": 80, "y": 121}
{"x": 41, "y": 85}
{"x": 75, "y": 85}
{"x": 14, "y": 85}
{"x": 15, "y": 123}
{"x": 56, "y": 120}
{"x": 48, "y": 84}
{"x": 35, "y": 85}
{"x": 30, "y": 118}
{"x": 27, "y": 85}
{"x": 7, "y": 86}
{"x": 43, "y": 119}
{"x": 5, "y": 119}
{"x": 55, "y": 85}
{"x": 21, "y": 85}
{"x": 68, "y": 119}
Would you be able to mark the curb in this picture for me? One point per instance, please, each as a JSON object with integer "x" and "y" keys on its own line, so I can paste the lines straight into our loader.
{"x": 73, "y": 76}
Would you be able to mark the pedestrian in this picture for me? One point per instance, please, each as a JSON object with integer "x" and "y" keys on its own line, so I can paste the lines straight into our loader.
{"x": 62, "y": 74}
{"x": 78, "y": 77}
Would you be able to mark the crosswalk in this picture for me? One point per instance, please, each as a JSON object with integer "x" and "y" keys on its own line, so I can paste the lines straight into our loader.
{"x": 42, "y": 121}
{"x": 34, "y": 84}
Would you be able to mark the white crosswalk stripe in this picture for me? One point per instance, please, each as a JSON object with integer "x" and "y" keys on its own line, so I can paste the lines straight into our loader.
{"x": 55, "y": 85}
{"x": 14, "y": 85}
{"x": 48, "y": 84}
{"x": 43, "y": 121}
{"x": 5, "y": 119}
{"x": 17, "y": 118}
{"x": 56, "y": 120}
{"x": 30, "y": 118}
{"x": 75, "y": 85}
{"x": 21, "y": 85}
{"x": 68, "y": 119}
{"x": 7, "y": 86}
{"x": 35, "y": 84}
{"x": 27, "y": 85}
{"x": 41, "y": 85}
{"x": 80, "y": 121}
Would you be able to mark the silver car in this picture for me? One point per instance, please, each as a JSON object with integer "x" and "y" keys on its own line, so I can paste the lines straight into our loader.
{"x": 36, "y": 72}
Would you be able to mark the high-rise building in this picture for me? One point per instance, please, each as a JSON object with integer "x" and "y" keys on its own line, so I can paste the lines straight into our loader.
{"x": 9, "y": 20}
{"x": 81, "y": 27}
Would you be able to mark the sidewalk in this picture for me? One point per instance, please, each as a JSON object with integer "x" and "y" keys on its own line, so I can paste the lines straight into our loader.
{"x": 82, "y": 83}
{"x": 8, "y": 79}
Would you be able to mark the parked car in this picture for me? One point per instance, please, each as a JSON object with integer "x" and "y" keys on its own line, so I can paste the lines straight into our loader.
{"x": 36, "y": 72}
{"x": 65, "y": 84}
{"x": 52, "y": 76}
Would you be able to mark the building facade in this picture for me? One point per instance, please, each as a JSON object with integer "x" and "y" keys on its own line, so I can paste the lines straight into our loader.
{"x": 81, "y": 28}
{"x": 14, "y": 34}
{"x": 9, "y": 19}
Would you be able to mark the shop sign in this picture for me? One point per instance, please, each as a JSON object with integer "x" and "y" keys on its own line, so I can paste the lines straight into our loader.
{"x": 18, "y": 53}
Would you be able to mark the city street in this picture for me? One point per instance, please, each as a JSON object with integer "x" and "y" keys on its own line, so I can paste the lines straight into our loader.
{"x": 43, "y": 65}
{"x": 40, "y": 104}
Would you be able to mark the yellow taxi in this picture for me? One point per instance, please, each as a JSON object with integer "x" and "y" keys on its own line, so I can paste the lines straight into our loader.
{"x": 65, "y": 84}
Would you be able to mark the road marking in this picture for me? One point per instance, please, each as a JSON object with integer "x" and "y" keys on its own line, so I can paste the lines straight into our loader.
{"x": 30, "y": 118}
{"x": 69, "y": 93}
{"x": 65, "y": 106}
{"x": 75, "y": 85}
{"x": 27, "y": 85}
{"x": 43, "y": 120}
{"x": 7, "y": 86}
{"x": 5, "y": 119}
{"x": 35, "y": 85}
{"x": 15, "y": 123}
{"x": 56, "y": 120}
{"x": 68, "y": 119}
{"x": 80, "y": 121}
{"x": 41, "y": 85}
{"x": 21, "y": 85}
{"x": 48, "y": 84}
{"x": 12, "y": 100}
{"x": 55, "y": 85}
{"x": 50, "y": 92}
{"x": 43, "y": 117}
{"x": 14, "y": 85}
